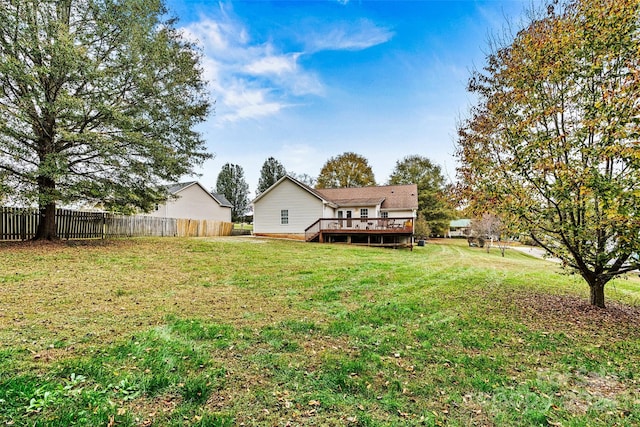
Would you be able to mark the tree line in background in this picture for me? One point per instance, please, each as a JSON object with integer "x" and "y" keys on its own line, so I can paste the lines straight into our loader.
{"x": 436, "y": 205}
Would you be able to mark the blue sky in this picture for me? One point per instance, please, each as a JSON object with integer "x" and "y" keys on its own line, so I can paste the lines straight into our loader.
{"x": 304, "y": 81}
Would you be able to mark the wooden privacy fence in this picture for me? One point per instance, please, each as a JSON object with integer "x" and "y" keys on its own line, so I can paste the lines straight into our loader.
{"x": 138, "y": 226}
{"x": 202, "y": 228}
{"x": 21, "y": 224}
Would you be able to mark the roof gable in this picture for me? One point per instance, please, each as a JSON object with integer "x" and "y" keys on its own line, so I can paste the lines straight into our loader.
{"x": 305, "y": 187}
{"x": 177, "y": 187}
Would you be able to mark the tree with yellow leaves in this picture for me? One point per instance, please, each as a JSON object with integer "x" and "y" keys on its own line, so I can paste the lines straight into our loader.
{"x": 552, "y": 143}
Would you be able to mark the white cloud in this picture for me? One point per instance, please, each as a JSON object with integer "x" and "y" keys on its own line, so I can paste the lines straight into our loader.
{"x": 208, "y": 33}
{"x": 278, "y": 65}
{"x": 242, "y": 102}
{"x": 284, "y": 72}
{"x": 360, "y": 35}
{"x": 212, "y": 70}
{"x": 254, "y": 79}
{"x": 249, "y": 79}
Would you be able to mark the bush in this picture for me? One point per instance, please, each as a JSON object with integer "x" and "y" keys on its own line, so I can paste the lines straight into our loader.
{"x": 421, "y": 229}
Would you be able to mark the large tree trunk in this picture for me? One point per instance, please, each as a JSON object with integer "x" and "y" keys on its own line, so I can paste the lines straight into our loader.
{"x": 597, "y": 294}
{"x": 596, "y": 285}
{"x": 47, "y": 229}
{"x": 47, "y": 226}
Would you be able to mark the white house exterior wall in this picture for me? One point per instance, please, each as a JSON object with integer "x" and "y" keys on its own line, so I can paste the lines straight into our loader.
{"x": 400, "y": 213}
{"x": 355, "y": 211}
{"x": 303, "y": 208}
{"x": 193, "y": 203}
{"x": 329, "y": 212}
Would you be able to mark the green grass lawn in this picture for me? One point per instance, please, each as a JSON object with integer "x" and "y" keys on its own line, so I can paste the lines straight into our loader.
{"x": 242, "y": 226}
{"x": 240, "y": 331}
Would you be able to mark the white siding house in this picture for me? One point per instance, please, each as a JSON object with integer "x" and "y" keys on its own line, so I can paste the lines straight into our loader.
{"x": 375, "y": 215}
{"x": 190, "y": 200}
{"x": 287, "y": 208}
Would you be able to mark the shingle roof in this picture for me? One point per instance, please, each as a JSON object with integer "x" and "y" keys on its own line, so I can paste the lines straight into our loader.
{"x": 392, "y": 196}
{"x": 358, "y": 201}
{"x": 177, "y": 186}
{"x": 460, "y": 223}
{"x": 222, "y": 201}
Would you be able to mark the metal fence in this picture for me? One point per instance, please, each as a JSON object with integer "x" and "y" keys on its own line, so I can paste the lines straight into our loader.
{"x": 21, "y": 224}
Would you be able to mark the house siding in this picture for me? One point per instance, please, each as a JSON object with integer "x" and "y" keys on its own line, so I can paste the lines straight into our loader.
{"x": 355, "y": 211}
{"x": 304, "y": 209}
{"x": 399, "y": 213}
{"x": 193, "y": 202}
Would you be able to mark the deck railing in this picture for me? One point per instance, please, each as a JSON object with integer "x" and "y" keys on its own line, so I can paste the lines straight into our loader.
{"x": 402, "y": 225}
{"x": 311, "y": 231}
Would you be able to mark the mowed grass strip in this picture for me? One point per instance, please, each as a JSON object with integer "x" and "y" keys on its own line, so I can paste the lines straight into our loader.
{"x": 232, "y": 331}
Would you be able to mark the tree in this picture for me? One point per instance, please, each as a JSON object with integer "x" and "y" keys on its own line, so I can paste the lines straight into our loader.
{"x": 346, "y": 170}
{"x": 433, "y": 197}
{"x": 421, "y": 228}
{"x": 232, "y": 185}
{"x": 98, "y": 102}
{"x": 304, "y": 178}
{"x": 272, "y": 170}
{"x": 490, "y": 227}
{"x": 4, "y": 188}
{"x": 553, "y": 140}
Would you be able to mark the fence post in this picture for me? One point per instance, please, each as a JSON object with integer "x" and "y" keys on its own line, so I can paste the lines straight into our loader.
{"x": 23, "y": 224}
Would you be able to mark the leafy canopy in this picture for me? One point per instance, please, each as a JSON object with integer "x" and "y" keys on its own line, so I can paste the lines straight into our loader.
{"x": 272, "y": 170}
{"x": 553, "y": 140}
{"x": 433, "y": 199}
{"x": 232, "y": 184}
{"x": 98, "y": 103}
{"x": 346, "y": 170}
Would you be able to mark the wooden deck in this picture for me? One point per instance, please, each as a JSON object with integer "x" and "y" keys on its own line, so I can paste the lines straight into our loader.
{"x": 392, "y": 232}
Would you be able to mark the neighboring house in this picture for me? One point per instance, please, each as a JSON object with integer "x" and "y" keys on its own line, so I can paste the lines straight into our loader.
{"x": 459, "y": 228}
{"x": 382, "y": 216}
{"x": 190, "y": 200}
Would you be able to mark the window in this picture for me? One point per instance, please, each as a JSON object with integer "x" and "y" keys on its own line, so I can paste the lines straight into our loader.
{"x": 284, "y": 216}
{"x": 364, "y": 214}
{"x": 384, "y": 214}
